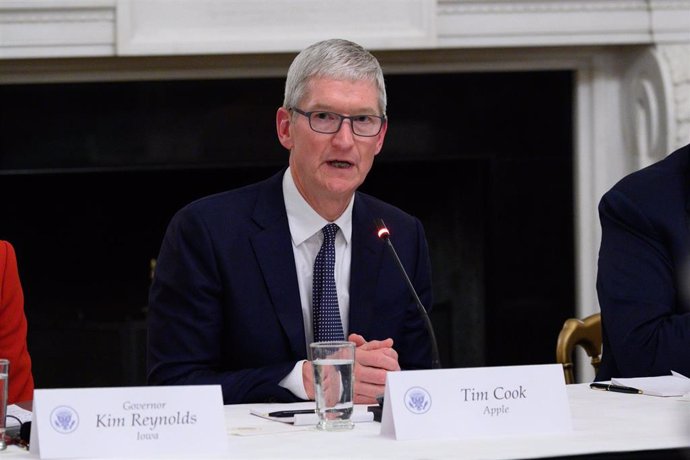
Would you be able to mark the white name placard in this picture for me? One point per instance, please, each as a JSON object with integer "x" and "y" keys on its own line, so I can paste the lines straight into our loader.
{"x": 129, "y": 422}
{"x": 475, "y": 402}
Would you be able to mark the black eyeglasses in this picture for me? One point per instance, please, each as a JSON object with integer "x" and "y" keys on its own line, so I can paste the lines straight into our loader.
{"x": 330, "y": 122}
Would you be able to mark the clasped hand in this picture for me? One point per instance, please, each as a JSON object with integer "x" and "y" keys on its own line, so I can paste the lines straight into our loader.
{"x": 373, "y": 360}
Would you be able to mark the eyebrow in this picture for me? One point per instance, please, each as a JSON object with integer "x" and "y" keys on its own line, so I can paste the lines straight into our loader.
{"x": 360, "y": 111}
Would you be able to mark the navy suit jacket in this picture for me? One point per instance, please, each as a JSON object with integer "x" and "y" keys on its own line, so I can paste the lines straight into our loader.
{"x": 225, "y": 308}
{"x": 643, "y": 281}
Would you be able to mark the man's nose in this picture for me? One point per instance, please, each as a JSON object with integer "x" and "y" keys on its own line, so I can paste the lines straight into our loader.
{"x": 345, "y": 135}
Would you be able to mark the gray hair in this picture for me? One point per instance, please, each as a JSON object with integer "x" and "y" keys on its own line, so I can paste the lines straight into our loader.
{"x": 336, "y": 59}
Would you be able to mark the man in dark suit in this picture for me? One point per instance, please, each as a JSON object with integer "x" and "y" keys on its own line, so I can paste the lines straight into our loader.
{"x": 231, "y": 301}
{"x": 643, "y": 281}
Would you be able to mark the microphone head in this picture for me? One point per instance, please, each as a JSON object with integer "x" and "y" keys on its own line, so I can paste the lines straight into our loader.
{"x": 381, "y": 229}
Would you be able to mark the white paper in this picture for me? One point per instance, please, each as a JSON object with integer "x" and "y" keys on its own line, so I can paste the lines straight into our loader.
{"x": 665, "y": 385}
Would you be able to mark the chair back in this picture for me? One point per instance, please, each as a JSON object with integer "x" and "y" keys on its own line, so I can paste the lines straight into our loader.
{"x": 585, "y": 333}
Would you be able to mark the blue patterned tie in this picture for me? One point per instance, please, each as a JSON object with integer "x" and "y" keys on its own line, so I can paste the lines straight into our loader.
{"x": 325, "y": 311}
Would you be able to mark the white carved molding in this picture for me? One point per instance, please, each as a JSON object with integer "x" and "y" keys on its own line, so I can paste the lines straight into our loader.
{"x": 93, "y": 28}
{"x": 41, "y": 28}
{"x": 669, "y": 20}
{"x": 564, "y": 22}
{"x": 656, "y": 108}
{"x": 235, "y": 26}
{"x": 648, "y": 109}
{"x": 677, "y": 60}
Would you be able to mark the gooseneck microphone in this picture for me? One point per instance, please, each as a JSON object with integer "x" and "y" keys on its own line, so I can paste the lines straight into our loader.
{"x": 384, "y": 234}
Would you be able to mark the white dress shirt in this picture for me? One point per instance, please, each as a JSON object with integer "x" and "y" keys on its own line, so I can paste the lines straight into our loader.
{"x": 305, "y": 232}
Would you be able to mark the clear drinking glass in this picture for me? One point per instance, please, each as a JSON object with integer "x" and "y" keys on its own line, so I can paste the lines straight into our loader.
{"x": 334, "y": 381}
{"x": 4, "y": 383}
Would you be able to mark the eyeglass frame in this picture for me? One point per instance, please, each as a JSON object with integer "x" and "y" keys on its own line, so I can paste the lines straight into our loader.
{"x": 342, "y": 118}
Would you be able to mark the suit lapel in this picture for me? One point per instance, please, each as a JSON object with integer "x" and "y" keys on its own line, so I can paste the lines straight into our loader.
{"x": 366, "y": 260}
{"x": 273, "y": 248}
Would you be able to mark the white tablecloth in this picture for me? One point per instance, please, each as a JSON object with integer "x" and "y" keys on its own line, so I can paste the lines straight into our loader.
{"x": 602, "y": 422}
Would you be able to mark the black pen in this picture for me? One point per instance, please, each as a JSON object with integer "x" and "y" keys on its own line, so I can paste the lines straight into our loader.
{"x": 614, "y": 388}
{"x": 291, "y": 413}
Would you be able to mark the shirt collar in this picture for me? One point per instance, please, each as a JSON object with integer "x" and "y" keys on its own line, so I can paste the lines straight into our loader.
{"x": 303, "y": 220}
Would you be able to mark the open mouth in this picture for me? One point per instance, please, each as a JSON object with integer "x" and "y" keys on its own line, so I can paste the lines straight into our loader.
{"x": 340, "y": 164}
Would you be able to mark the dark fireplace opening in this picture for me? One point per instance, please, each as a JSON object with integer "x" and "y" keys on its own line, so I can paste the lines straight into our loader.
{"x": 91, "y": 173}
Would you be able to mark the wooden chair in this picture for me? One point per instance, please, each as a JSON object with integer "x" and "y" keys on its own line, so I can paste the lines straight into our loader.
{"x": 585, "y": 333}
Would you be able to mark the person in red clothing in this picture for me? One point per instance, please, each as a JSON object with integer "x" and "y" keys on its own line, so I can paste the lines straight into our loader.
{"x": 13, "y": 327}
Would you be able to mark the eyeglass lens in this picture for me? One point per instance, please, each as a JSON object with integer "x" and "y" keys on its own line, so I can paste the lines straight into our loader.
{"x": 329, "y": 123}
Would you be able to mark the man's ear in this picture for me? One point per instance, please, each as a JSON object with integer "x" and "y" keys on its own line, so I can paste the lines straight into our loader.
{"x": 283, "y": 125}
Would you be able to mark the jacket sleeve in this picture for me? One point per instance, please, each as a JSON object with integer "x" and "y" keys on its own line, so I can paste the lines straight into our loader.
{"x": 638, "y": 291}
{"x": 13, "y": 327}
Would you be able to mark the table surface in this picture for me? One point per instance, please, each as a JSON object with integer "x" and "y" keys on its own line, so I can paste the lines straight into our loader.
{"x": 603, "y": 422}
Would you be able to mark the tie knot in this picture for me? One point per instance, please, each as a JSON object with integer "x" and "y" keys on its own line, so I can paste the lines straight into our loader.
{"x": 329, "y": 232}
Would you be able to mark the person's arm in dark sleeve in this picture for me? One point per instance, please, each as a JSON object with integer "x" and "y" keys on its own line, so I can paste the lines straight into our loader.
{"x": 638, "y": 292}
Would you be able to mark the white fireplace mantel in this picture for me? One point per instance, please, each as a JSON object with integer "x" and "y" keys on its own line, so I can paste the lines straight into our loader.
{"x": 90, "y": 28}
{"x": 631, "y": 59}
